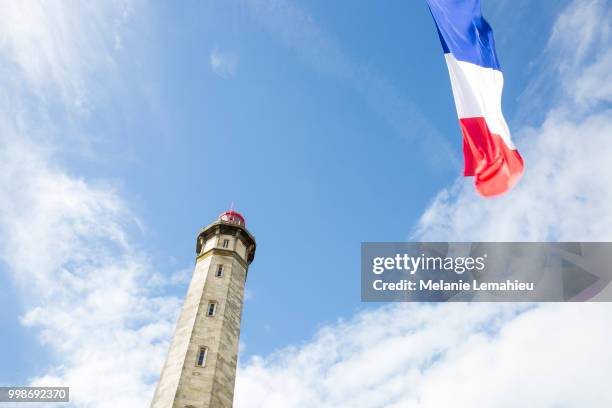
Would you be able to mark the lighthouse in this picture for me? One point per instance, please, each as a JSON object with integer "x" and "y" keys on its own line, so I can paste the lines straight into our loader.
{"x": 200, "y": 369}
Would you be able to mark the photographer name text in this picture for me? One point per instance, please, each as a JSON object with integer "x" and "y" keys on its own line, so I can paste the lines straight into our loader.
{"x": 454, "y": 286}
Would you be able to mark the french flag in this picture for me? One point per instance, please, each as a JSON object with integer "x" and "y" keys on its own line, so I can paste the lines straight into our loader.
{"x": 477, "y": 82}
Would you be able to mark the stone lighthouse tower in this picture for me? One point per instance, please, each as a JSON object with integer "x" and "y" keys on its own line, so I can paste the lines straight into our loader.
{"x": 200, "y": 369}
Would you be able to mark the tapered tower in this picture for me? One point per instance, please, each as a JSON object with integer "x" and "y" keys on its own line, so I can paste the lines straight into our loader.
{"x": 200, "y": 369}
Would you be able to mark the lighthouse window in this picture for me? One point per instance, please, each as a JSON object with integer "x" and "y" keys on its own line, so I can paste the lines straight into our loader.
{"x": 212, "y": 308}
{"x": 219, "y": 272}
{"x": 225, "y": 243}
{"x": 202, "y": 356}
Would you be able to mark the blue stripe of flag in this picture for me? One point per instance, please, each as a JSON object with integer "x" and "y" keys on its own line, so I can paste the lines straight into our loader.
{"x": 464, "y": 32}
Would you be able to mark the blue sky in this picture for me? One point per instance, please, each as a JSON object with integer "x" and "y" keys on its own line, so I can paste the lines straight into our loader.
{"x": 324, "y": 124}
{"x": 291, "y": 141}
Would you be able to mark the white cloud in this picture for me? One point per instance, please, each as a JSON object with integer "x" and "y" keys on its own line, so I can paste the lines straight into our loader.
{"x": 590, "y": 84}
{"x": 67, "y": 244}
{"x": 68, "y": 241}
{"x": 39, "y": 44}
{"x": 476, "y": 355}
{"x": 482, "y": 355}
{"x": 223, "y": 64}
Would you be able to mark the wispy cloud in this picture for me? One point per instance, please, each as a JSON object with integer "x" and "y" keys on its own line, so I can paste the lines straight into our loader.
{"x": 576, "y": 55}
{"x": 39, "y": 42}
{"x": 223, "y": 64}
{"x": 586, "y": 54}
{"x": 68, "y": 241}
{"x": 299, "y": 31}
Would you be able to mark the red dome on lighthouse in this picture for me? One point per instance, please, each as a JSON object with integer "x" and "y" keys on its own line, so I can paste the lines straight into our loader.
{"x": 232, "y": 217}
